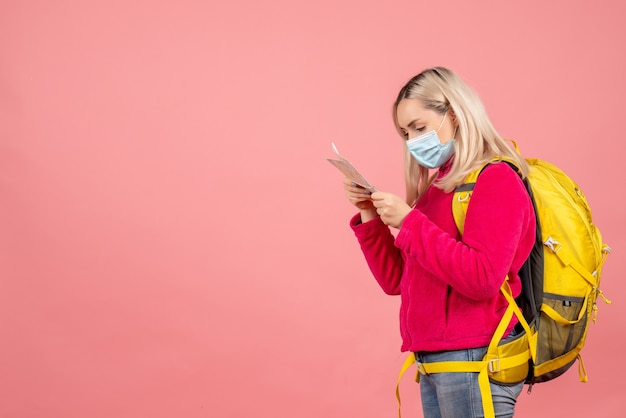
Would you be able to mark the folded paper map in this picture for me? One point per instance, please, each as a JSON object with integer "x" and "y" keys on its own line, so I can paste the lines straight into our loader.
{"x": 350, "y": 171}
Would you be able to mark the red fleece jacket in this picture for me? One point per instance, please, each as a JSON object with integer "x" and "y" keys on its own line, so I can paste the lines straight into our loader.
{"x": 450, "y": 285}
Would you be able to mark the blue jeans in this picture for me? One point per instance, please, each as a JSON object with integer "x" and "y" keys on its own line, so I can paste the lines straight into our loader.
{"x": 457, "y": 395}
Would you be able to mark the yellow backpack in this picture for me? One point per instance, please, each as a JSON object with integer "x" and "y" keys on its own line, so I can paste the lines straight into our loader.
{"x": 560, "y": 285}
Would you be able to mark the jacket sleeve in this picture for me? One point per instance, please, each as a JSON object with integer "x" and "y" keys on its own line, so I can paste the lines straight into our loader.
{"x": 499, "y": 213}
{"x": 383, "y": 257}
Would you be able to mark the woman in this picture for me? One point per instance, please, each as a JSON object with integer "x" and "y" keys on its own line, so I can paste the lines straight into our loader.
{"x": 449, "y": 284}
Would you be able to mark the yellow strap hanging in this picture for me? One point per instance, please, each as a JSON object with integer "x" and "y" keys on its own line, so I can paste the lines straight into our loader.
{"x": 410, "y": 360}
{"x": 582, "y": 371}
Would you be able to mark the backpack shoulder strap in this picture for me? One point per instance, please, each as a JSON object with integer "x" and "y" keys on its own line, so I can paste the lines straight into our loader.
{"x": 463, "y": 193}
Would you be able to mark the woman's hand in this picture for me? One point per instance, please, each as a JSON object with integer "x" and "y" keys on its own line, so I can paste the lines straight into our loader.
{"x": 391, "y": 208}
{"x": 360, "y": 198}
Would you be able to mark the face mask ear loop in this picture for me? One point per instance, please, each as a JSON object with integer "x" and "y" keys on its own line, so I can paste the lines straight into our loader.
{"x": 442, "y": 120}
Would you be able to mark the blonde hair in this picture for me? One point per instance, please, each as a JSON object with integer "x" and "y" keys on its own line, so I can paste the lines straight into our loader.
{"x": 476, "y": 143}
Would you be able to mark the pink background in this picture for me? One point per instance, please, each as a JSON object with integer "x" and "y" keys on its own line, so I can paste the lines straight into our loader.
{"x": 173, "y": 243}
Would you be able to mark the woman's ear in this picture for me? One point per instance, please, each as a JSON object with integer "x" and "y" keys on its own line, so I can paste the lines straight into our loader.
{"x": 453, "y": 118}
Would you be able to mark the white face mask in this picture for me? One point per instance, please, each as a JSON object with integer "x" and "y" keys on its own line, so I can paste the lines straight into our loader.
{"x": 428, "y": 150}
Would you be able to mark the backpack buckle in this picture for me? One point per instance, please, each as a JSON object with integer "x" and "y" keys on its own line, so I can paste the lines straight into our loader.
{"x": 494, "y": 365}
{"x": 552, "y": 244}
{"x": 421, "y": 368}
